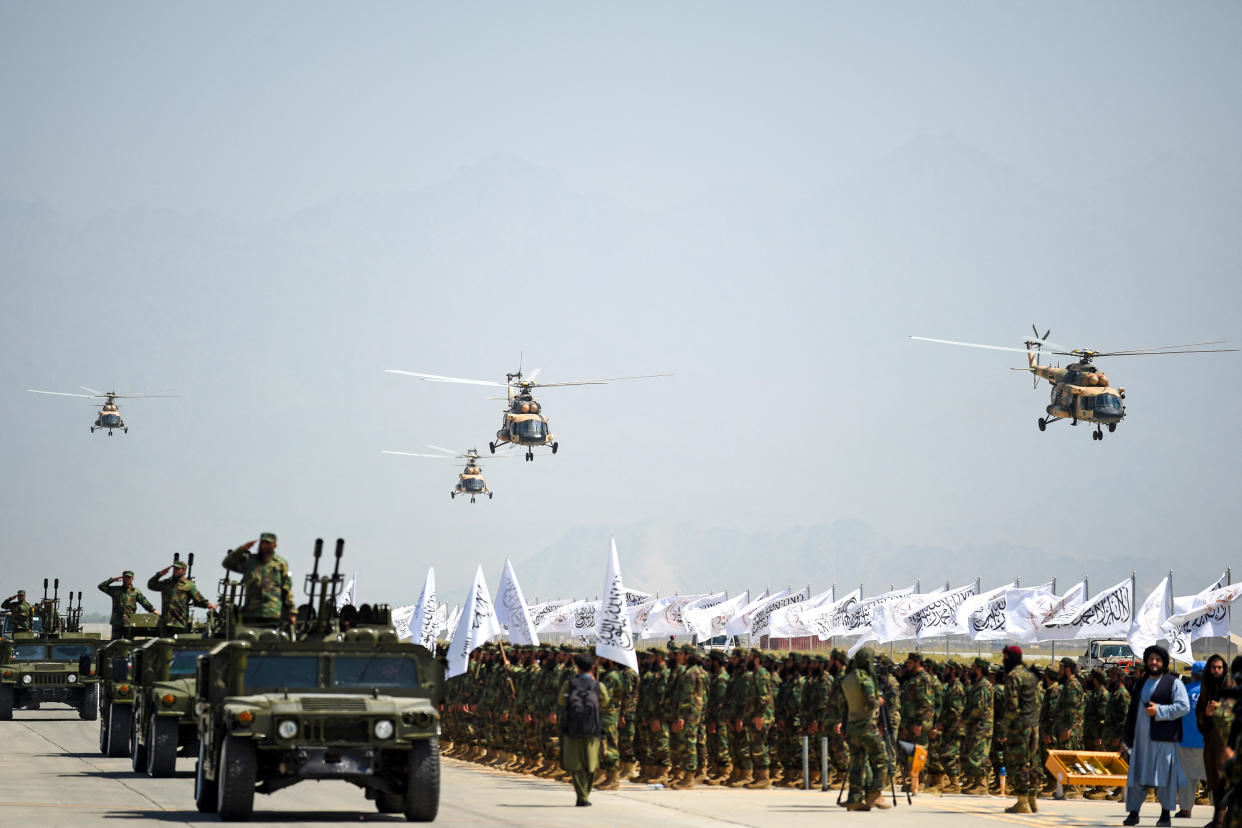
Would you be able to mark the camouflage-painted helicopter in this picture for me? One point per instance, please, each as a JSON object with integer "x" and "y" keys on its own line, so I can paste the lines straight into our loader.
{"x": 470, "y": 481}
{"x": 1081, "y": 391}
{"x": 522, "y": 423}
{"x": 109, "y": 413}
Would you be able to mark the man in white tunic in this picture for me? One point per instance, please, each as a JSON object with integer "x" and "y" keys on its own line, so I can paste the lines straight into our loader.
{"x": 1153, "y": 733}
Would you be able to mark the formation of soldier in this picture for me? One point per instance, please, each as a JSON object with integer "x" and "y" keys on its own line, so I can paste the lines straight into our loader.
{"x": 737, "y": 718}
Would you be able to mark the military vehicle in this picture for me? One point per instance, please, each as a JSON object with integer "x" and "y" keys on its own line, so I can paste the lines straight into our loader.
{"x": 55, "y": 664}
{"x": 114, "y": 668}
{"x": 164, "y": 723}
{"x": 275, "y": 707}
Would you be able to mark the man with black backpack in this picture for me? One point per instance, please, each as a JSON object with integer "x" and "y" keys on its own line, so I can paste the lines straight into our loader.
{"x": 581, "y": 726}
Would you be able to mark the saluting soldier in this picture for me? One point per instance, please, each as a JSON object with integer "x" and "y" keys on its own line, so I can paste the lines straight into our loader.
{"x": 21, "y": 613}
{"x": 126, "y": 598}
{"x": 265, "y": 578}
{"x": 178, "y": 593}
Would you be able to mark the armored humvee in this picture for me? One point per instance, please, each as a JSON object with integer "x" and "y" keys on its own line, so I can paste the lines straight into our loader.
{"x": 55, "y": 664}
{"x": 164, "y": 724}
{"x": 114, "y": 667}
{"x": 275, "y": 708}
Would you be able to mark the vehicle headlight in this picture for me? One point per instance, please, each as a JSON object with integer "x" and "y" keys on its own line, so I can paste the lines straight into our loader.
{"x": 287, "y": 729}
{"x": 72, "y": 678}
{"x": 27, "y": 679}
{"x": 383, "y": 729}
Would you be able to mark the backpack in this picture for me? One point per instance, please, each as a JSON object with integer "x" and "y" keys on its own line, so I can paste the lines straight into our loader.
{"x": 582, "y": 717}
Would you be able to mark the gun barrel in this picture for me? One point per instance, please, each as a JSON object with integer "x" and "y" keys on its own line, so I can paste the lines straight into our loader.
{"x": 189, "y": 559}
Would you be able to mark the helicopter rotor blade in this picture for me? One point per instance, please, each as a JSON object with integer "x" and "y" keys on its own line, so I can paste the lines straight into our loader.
{"x": 64, "y": 393}
{"x": 438, "y": 378}
{"x": 415, "y": 454}
{"x": 970, "y": 344}
{"x": 1162, "y": 353}
{"x": 93, "y": 391}
{"x": 534, "y": 374}
{"x": 453, "y": 452}
{"x": 601, "y": 381}
{"x": 140, "y": 396}
{"x": 1167, "y": 349}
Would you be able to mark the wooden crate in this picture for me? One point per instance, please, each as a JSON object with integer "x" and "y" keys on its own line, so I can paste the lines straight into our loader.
{"x": 1061, "y": 765}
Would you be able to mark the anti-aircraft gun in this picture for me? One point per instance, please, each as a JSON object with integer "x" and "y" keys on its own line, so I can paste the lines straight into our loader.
{"x": 339, "y": 697}
{"x": 53, "y": 664}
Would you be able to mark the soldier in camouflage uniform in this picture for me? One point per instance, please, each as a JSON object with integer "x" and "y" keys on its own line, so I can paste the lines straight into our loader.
{"x": 265, "y": 578}
{"x": 869, "y": 759}
{"x": 948, "y": 730}
{"x": 1021, "y": 726}
{"x": 688, "y": 694}
{"x": 126, "y": 599}
{"x": 610, "y": 716}
{"x": 21, "y": 614}
{"x": 918, "y": 704}
{"x": 757, "y": 718}
{"x": 1070, "y": 716}
{"x": 1049, "y": 714}
{"x": 653, "y": 716}
{"x": 977, "y": 719}
{"x": 1093, "y": 713}
{"x": 717, "y": 721}
{"x": 788, "y": 728}
{"x": 178, "y": 594}
{"x": 934, "y": 772}
{"x": 628, "y": 705}
{"x": 838, "y": 748}
{"x": 814, "y": 714}
{"x": 739, "y": 745}
{"x": 1115, "y": 712}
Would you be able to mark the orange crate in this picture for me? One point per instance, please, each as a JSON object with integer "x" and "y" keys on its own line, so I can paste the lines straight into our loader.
{"x": 1112, "y": 769}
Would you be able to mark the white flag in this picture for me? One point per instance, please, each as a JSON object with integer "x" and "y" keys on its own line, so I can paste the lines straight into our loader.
{"x": 896, "y": 620}
{"x": 740, "y": 624}
{"x": 401, "y": 618}
{"x": 638, "y": 614}
{"x": 634, "y": 597}
{"x": 511, "y": 609}
{"x": 573, "y": 618}
{"x": 540, "y": 612}
{"x": 614, "y": 639}
{"x": 451, "y": 622}
{"x": 982, "y": 617}
{"x": 822, "y": 620}
{"x": 761, "y": 620}
{"x": 665, "y": 617}
{"x": 939, "y": 617}
{"x": 1204, "y": 615}
{"x": 478, "y": 624}
{"x": 708, "y": 620}
{"x": 425, "y": 626}
{"x": 346, "y": 596}
{"x": 791, "y": 620}
{"x": 1028, "y": 609}
{"x": 1106, "y": 615}
{"x": 442, "y": 624}
{"x": 1147, "y": 627}
{"x": 857, "y": 620}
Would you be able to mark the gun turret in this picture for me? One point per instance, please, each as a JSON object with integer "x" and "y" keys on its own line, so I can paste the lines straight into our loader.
{"x": 189, "y": 570}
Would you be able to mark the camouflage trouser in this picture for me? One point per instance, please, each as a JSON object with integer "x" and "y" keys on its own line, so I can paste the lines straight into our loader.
{"x": 550, "y": 736}
{"x": 657, "y": 744}
{"x": 642, "y": 738}
{"x": 996, "y": 752}
{"x": 868, "y": 759}
{"x": 625, "y": 741}
{"x": 683, "y": 750}
{"x": 975, "y": 746}
{"x": 609, "y": 751}
{"x": 838, "y": 752}
{"x": 757, "y": 741}
{"x": 933, "y": 755}
{"x": 531, "y": 737}
{"x": 700, "y": 743}
{"x": 791, "y": 749}
{"x": 717, "y": 744}
{"x": 739, "y": 746}
{"x": 1021, "y": 754}
{"x": 951, "y": 754}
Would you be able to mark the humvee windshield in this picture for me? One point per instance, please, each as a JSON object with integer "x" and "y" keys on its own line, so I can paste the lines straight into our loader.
{"x": 29, "y": 652}
{"x": 184, "y": 663}
{"x": 373, "y": 671}
{"x": 1115, "y": 651}
{"x": 265, "y": 672}
{"x": 70, "y": 652}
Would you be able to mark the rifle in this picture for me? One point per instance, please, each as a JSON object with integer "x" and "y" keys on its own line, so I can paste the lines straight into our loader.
{"x": 891, "y": 751}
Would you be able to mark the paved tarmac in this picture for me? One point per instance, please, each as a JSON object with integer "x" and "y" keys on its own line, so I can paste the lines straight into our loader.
{"x": 51, "y": 773}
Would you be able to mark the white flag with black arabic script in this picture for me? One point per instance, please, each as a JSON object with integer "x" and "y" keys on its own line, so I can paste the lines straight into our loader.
{"x": 478, "y": 624}
{"x": 511, "y": 609}
{"x": 739, "y": 624}
{"x": 708, "y": 617}
{"x": 425, "y": 625}
{"x": 401, "y": 617}
{"x": 1107, "y": 614}
{"x": 1147, "y": 627}
{"x": 665, "y": 617}
{"x": 614, "y": 638}
{"x": 1029, "y": 608}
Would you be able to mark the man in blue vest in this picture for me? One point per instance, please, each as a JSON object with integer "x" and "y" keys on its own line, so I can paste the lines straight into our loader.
{"x": 1153, "y": 732}
{"x": 1191, "y": 751}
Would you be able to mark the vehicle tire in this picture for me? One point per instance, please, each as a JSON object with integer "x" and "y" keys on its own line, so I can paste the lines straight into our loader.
{"x": 89, "y": 709}
{"x": 388, "y": 803}
{"x": 205, "y": 790}
{"x": 235, "y": 779}
{"x": 137, "y": 750}
{"x": 162, "y": 746}
{"x": 6, "y": 702}
{"x": 422, "y": 790}
{"x": 120, "y": 723}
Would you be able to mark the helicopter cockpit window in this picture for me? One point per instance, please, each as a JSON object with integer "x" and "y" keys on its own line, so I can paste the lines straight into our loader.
{"x": 1108, "y": 404}
{"x": 530, "y": 430}
{"x": 473, "y": 485}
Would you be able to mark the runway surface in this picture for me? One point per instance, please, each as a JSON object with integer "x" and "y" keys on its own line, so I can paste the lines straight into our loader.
{"x": 51, "y": 773}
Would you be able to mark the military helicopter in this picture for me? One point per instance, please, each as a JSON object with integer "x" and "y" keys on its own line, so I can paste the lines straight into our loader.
{"x": 1081, "y": 391}
{"x": 470, "y": 481}
{"x": 109, "y": 413}
{"x": 522, "y": 423}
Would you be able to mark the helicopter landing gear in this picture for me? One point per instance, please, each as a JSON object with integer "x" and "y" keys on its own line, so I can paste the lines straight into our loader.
{"x": 530, "y": 455}
{"x": 92, "y": 429}
{"x": 1043, "y": 424}
{"x": 492, "y": 447}
{"x": 452, "y": 495}
{"x": 127, "y": 429}
{"x": 555, "y": 446}
{"x": 1097, "y": 434}
{"x": 472, "y": 498}
{"x": 1112, "y": 427}
{"x": 109, "y": 432}
{"x": 489, "y": 495}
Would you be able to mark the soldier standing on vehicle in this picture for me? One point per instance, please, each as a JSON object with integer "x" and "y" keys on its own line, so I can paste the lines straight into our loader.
{"x": 178, "y": 593}
{"x": 265, "y": 579}
{"x": 125, "y": 600}
{"x": 1021, "y": 731}
{"x": 21, "y": 612}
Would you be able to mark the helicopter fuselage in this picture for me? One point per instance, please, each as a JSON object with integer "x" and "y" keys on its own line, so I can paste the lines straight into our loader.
{"x": 1082, "y": 392}
{"x": 109, "y": 418}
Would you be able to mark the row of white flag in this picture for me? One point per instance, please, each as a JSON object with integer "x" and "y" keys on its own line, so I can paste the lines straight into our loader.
{"x": 1007, "y": 613}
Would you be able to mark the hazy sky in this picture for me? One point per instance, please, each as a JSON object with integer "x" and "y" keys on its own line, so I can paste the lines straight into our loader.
{"x": 263, "y": 206}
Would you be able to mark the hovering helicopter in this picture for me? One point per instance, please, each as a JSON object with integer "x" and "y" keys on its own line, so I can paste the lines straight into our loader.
{"x": 109, "y": 413}
{"x": 522, "y": 423}
{"x": 470, "y": 481}
{"x": 1081, "y": 391}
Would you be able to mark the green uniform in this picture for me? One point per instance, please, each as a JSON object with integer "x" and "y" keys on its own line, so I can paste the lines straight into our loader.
{"x": 178, "y": 596}
{"x": 952, "y": 708}
{"x": 1021, "y": 726}
{"x": 977, "y": 720}
{"x": 868, "y": 757}
{"x": 610, "y": 715}
{"x": 761, "y": 704}
{"x": 717, "y": 719}
{"x": 1070, "y": 715}
{"x": 21, "y": 614}
{"x": 268, "y": 587}
{"x": 125, "y": 602}
{"x": 918, "y": 707}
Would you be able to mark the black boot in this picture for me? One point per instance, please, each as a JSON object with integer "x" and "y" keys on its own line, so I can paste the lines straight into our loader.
{"x": 1164, "y": 821}
{"x": 1132, "y": 819}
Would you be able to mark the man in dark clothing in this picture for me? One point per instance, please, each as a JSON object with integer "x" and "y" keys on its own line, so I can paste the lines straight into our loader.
{"x": 579, "y": 732}
{"x": 1205, "y": 715}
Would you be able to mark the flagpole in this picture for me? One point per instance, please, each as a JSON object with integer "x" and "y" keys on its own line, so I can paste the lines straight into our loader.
{"x": 1054, "y": 641}
{"x": 1229, "y": 614}
{"x": 1170, "y": 606}
{"x": 978, "y": 591}
{"x": 946, "y": 635}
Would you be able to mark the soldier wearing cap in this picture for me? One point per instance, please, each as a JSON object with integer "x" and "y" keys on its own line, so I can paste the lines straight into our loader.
{"x": 758, "y": 715}
{"x": 178, "y": 594}
{"x": 977, "y": 723}
{"x": 20, "y": 612}
{"x": 1069, "y": 719}
{"x": 126, "y": 599}
{"x": 1021, "y": 727}
{"x": 265, "y": 579}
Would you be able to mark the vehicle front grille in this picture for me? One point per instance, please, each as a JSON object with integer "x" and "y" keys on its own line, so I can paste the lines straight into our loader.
{"x": 319, "y": 704}
{"x": 335, "y": 731}
{"x": 49, "y": 678}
